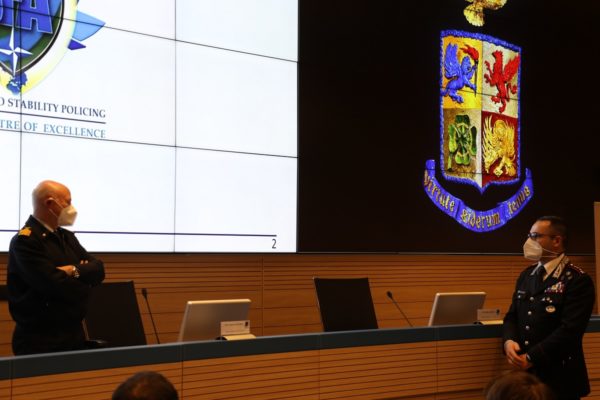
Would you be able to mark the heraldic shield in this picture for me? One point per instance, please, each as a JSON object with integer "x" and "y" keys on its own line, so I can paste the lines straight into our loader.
{"x": 479, "y": 109}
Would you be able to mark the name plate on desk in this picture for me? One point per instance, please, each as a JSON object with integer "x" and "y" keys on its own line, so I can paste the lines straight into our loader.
{"x": 489, "y": 316}
{"x": 235, "y": 327}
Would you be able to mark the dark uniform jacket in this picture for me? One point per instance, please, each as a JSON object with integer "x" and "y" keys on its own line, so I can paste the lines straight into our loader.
{"x": 44, "y": 300}
{"x": 548, "y": 319}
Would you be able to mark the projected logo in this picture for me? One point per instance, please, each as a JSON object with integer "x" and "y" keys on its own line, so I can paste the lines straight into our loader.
{"x": 479, "y": 126}
{"x": 35, "y": 35}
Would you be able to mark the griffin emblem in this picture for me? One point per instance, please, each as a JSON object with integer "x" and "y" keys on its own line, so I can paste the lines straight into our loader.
{"x": 501, "y": 77}
{"x": 479, "y": 113}
{"x": 499, "y": 144}
{"x": 460, "y": 74}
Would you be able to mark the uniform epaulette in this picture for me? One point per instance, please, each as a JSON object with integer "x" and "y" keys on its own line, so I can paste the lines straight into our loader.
{"x": 576, "y": 268}
{"x": 26, "y": 231}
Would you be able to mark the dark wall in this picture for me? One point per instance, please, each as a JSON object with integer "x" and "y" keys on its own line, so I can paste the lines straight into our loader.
{"x": 369, "y": 119}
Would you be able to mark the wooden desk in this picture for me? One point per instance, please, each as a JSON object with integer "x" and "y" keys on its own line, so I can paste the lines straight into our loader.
{"x": 416, "y": 363}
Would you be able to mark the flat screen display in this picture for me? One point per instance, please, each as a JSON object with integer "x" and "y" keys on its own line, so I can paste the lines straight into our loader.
{"x": 202, "y": 318}
{"x": 174, "y": 124}
{"x": 446, "y": 126}
{"x": 456, "y": 308}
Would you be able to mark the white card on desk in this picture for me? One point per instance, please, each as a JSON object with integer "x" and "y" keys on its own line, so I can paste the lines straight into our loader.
{"x": 235, "y": 327}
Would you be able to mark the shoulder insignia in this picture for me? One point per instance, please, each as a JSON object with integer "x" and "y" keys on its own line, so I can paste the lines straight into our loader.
{"x": 575, "y": 268}
{"x": 25, "y": 231}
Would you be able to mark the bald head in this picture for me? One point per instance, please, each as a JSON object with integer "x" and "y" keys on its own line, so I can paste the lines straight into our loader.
{"x": 49, "y": 197}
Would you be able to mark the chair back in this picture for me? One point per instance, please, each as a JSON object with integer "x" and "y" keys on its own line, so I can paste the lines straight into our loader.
{"x": 113, "y": 315}
{"x": 345, "y": 304}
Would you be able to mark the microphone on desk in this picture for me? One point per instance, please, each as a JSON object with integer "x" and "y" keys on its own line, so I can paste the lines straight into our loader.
{"x": 145, "y": 294}
{"x": 389, "y": 294}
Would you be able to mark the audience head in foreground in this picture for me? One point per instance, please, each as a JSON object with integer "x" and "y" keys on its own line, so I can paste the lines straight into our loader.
{"x": 146, "y": 385}
{"x": 518, "y": 385}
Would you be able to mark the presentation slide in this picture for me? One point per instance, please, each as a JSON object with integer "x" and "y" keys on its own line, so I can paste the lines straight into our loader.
{"x": 243, "y": 25}
{"x": 174, "y": 124}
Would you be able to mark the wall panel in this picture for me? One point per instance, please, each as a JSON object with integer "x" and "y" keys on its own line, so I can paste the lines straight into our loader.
{"x": 281, "y": 288}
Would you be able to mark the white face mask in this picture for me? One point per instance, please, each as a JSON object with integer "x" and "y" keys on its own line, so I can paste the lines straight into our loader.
{"x": 532, "y": 250}
{"x": 67, "y": 215}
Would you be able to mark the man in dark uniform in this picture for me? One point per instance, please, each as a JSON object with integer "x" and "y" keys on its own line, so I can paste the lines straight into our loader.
{"x": 49, "y": 276}
{"x": 550, "y": 310}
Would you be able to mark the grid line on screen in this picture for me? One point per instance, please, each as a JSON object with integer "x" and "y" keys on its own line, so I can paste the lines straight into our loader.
{"x": 119, "y": 83}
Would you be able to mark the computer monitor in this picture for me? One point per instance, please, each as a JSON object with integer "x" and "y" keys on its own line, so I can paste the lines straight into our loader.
{"x": 202, "y": 318}
{"x": 456, "y": 308}
{"x": 345, "y": 304}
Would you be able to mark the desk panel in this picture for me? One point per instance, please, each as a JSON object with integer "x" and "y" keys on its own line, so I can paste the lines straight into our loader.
{"x": 89, "y": 385}
{"x": 441, "y": 363}
{"x": 265, "y": 376}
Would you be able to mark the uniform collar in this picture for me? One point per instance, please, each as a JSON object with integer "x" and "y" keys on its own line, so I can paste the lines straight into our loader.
{"x": 554, "y": 266}
{"x": 43, "y": 224}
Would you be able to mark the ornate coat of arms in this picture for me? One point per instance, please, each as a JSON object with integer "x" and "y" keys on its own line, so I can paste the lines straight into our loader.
{"x": 479, "y": 109}
{"x": 479, "y": 126}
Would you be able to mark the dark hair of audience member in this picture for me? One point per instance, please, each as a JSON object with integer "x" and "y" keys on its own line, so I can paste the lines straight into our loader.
{"x": 146, "y": 385}
{"x": 518, "y": 385}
